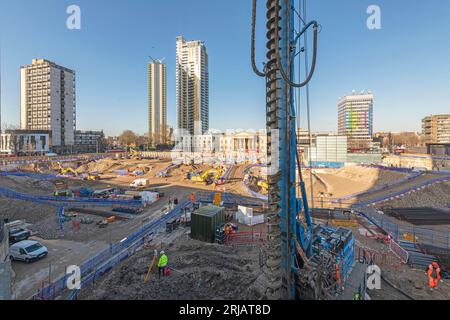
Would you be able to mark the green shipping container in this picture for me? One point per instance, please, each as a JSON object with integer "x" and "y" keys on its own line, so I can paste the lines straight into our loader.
{"x": 204, "y": 222}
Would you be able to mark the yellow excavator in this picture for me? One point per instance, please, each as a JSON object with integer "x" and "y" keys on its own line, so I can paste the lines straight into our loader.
{"x": 67, "y": 170}
{"x": 263, "y": 184}
{"x": 92, "y": 177}
{"x": 206, "y": 176}
{"x": 135, "y": 155}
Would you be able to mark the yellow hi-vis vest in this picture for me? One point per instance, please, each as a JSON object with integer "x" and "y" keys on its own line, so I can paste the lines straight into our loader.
{"x": 163, "y": 261}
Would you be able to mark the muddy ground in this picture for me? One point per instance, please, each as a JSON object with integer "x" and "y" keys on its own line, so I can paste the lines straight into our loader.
{"x": 201, "y": 272}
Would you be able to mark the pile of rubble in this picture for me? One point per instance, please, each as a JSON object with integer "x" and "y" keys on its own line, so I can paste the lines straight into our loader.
{"x": 200, "y": 271}
{"x": 434, "y": 196}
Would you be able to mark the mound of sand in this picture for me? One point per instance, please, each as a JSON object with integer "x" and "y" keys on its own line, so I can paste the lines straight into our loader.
{"x": 369, "y": 175}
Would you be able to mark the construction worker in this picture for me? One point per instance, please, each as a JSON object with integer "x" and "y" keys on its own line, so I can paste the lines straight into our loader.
{"x": 434, "y": 275}
{"x": 337, "y": 275}
{"x": 162, "y": 264}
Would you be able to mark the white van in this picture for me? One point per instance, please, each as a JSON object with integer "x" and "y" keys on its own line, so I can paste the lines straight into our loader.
{"x": 27, "y": 251}
{"x": 140, "y": 183}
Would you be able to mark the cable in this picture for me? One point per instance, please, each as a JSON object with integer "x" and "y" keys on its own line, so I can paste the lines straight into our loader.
{"x": 278, "y": 57}
{"x": 255, "y": 68}
{"x": 308, "y": 108}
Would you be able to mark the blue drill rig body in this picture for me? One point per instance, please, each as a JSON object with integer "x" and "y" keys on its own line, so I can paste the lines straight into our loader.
{"x": 304, "y": 254}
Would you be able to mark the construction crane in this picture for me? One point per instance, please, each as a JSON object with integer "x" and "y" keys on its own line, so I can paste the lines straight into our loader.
{"x": 290, "y": 240}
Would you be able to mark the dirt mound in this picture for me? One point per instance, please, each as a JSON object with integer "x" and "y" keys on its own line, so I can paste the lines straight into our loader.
{"x": 24, "y": 210}
{"x": 200, "y": 271}
{"x": 27, "y": 185}
{"x": 369, "y": 175}
{"x": 435, "y": 196}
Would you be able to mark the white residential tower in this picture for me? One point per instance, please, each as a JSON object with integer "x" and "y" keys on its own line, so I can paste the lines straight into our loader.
{"x": 47, "y": 101}
{"x": 192, "y": 78}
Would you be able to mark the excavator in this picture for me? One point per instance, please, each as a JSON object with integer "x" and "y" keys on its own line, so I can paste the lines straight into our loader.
{"x": 92, "y": 177}
{"x": 135, "y": 154}
{"x": 67, "y": 170}
{"x": 263, "y": 184}
{"x": 211, "y": 175}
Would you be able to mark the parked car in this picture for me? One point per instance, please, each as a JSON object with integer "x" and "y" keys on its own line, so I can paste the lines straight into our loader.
{"x": 17, "y": 235}
{"x": 27, "y": 251}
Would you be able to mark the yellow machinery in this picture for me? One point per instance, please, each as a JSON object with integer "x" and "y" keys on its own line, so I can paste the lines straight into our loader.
{"x": 92, "y": 177}
{"x": 217, "y": 199}
{"x": 345, "y": 223}
{"x": 263, "y": 184}
{"x": 66, "y": 171}
{"x": 217, "y": 174}
{"x": 135, "y": 155}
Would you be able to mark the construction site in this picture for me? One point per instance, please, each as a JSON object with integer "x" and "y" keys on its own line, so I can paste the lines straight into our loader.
{"x": 138, "y": 225}
{"x": 83, "y": 210}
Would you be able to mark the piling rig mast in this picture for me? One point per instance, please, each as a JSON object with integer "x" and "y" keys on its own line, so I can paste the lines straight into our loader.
{"x": 290, "y": 226}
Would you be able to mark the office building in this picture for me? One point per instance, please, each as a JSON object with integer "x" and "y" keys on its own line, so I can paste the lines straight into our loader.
{"x": 355, "y": 119}
{"x": 25, "y": 142}
{"x": 89, "y": 141}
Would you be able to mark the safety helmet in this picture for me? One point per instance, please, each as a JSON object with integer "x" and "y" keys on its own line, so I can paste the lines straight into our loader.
{"x": 162, "y": 252}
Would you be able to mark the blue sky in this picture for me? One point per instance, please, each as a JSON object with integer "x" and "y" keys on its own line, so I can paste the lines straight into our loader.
{"x": 406, "y": 64}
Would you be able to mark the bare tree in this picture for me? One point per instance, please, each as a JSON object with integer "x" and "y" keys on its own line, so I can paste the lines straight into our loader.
{"x": 128, "y": 138}
{"x": 9, "y": 126}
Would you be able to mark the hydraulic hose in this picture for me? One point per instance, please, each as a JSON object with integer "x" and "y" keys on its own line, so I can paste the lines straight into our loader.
{"x": 255, "y": 68}
{"x": 314, "y": 59}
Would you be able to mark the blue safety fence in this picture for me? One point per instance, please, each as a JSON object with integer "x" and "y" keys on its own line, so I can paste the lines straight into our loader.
{"x": 44, "y": 159}
{"x": 401, "y": 193}
{"x": 103, "y": 262}
{"x": 66, "y": 201}
{"x": 395, "y": 169}
{"x": 438, "y": 238}
{"x": 326, "y": 165}
{"x": 403, "y": 170}
{"x": 37, "y": 176}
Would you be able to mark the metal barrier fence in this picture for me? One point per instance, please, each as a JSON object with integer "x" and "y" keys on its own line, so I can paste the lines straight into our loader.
{"x": 401, "y": 253}
{"x": 433, "y": 237}
{"x": 45, "y": 159}
{"x": 382, "y": 259}
{"x": 108, "y": 258}
{"x": 38, "y": 176}
{"x": 67, "y": 201}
